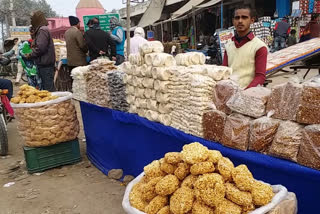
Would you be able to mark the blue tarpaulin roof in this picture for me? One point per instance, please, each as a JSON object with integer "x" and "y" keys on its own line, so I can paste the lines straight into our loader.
{"x": 283, "y": 8}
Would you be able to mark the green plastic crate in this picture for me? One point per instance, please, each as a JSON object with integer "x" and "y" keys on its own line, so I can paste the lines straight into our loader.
{"x": 43, "y": 158}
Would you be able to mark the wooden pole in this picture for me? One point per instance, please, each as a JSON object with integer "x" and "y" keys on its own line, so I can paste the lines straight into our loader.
{"x": 162, "y": 32}
{"x": 128, "y": 29}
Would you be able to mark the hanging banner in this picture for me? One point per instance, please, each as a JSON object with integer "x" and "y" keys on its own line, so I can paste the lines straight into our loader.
{"x": 103, "y": 19}
{"x": 224, "y": 37}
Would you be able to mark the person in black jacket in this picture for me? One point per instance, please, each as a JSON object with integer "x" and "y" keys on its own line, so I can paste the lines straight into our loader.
{"x": 99, "y": 42}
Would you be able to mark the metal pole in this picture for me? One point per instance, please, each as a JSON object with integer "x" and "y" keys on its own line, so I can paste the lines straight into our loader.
{"x": 221, "y": 14}
{"x": 7, "y": 26}
{"x": 171, "y": 31}
{"x": 13, "y": 14}
{"x": 128, "y": 29}
{"x": 194, "y": 28}
{"x": 162, "y": 32}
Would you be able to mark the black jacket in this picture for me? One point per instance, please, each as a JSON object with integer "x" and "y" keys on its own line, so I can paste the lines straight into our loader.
{"x": 43, "y": 52}
{"x": 98, "y": 40}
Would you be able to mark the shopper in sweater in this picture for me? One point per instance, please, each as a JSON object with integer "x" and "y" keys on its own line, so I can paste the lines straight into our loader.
{"x": 246, "y": 54}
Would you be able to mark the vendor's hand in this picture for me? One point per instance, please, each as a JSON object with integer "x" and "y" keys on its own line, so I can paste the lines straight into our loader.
{"x": 114, "y": 58}
{"x": 27, "y": 56}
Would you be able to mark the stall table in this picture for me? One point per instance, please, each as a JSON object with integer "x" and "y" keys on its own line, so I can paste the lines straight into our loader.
{"x": 119, "y": 140}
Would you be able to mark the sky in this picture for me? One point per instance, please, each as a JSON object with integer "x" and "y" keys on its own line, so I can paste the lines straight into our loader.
{"x": 68, "y": 7}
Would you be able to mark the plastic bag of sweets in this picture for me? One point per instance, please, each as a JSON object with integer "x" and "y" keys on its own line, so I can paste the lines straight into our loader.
{"x": 236, "y": 132}
{"x": 213, "y": 125}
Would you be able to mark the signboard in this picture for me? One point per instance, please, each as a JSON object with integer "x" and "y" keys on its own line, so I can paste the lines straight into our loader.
{"x": 103, "y": 19}
{"x": 21, "y": 32}
{"x": 224, "y": 37}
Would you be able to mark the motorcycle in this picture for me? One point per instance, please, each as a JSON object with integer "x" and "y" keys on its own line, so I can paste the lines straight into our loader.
{"x": 214, "y": 52}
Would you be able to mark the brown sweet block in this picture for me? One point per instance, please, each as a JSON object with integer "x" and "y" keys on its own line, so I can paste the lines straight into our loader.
{"x": 251, "y": 102}
{"x": 287, "y": 141}
{"x": 236, "y": 132}
{"x": 223, "y": 91}
{"x": 309, "y": 153}
{"x": 262, "y": 132}
{"x": 213, "y": 125}
{"x": 308, "y": 112}
{"x": 284, "y": 101}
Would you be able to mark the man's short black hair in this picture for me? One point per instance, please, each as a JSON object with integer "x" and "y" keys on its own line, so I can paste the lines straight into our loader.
{"x": 248, "y": 7}
{"x": 293, "y": 32}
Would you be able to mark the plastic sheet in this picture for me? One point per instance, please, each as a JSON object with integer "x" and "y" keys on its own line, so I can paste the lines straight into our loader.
{"x": 191, "y": 58}
{"x": 236, "y": 132}
{"x": 309, "y": 153}
{"x": 251, "y": 102}
{"x": 262, "y": 133}
{"x": 308, "y": 111}
{"x": 213, "y": 125}
{"x": 160, "y": 60}
{"x": 151, "y": 47}
{"x": 223, "y": 91}
{"x": 287, "y": 141}
{"x": 284, "y": 101}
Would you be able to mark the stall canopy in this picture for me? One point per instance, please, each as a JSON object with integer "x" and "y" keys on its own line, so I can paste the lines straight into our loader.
{"x": 153, "y": 13}
{"x": 209, "y": 4}
{"x": 187, "y": 7}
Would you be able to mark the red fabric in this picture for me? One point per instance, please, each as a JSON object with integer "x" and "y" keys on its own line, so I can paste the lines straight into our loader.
{"x": 276, "y": 27}
{"x": 260, "y": 61}
{"x": 289, "y": 30}
{"x": 6, "y": 103}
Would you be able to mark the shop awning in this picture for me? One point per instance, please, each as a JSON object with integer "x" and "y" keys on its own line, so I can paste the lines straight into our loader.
{"x": 153, "y": 13}
{"x": 187, "y": 7}
{"x": 208, "y": 4}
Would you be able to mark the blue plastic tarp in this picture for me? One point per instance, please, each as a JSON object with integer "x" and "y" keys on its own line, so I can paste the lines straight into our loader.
{"x": 123, "y": 140}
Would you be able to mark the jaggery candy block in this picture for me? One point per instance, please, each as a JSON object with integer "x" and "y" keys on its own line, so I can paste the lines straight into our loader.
{"x": 308, "y": 111}
{"x": 262, "y": 132}
{"x": 236, "y": 132}
{"x": 287, "y": 141}
{"x": 251, "y": 102}
{"x": 213, "y": 125}
{"x": 284, "y": 101}
{"x": 223, "y": 91}
{"x": 309, "y": 153}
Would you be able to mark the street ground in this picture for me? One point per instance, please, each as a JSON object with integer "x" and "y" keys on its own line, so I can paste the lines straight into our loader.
{"x": 73, "y": 189}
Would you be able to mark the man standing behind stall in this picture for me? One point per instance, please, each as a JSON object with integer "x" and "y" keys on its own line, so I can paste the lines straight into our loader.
{"x": 43, "y": 50}
{"x": 98, "y": 41}
{"x": 117, "y": 34}
{"x": 76, "y": 46}
{"x": 246, "y": 54}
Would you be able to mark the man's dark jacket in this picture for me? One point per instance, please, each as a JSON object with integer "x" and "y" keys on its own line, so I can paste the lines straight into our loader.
{"x": 43, "y": 50}
{"x": 98, "y": 40}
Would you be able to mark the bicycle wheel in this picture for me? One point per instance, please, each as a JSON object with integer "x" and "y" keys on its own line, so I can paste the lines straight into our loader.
{"x": 3, "y": 137}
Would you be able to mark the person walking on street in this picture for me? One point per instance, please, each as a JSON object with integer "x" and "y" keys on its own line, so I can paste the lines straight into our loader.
{"x": 76, "y": 46}
{"x": 43, "y": 52}
{"x": 137, "y": 40}
{"x": 98, "y": 41}
{"x": 117, "y": 34}
{"x": 281, "y": 33}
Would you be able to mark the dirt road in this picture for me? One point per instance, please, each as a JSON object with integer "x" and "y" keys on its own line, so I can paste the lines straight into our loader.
{"x": 75, "y": 189}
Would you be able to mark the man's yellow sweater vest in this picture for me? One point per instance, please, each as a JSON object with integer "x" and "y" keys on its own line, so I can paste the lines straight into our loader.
{"x": 242, "y": 60}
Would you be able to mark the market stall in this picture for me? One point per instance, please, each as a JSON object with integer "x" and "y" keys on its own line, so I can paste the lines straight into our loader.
{"x": 280, "y": 59}
{"x": 156, "y": 103}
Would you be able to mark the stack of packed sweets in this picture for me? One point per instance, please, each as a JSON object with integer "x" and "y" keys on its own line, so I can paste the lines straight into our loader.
{"x": 79, "y": 83}
{"x": 191, "y": 95}
{"x": 147, "y": 75}
{"x": 156, "y": 82}
{"x": 283, "y": 122}
{"x": 117, "y": 90}
{"x": 97, "y": 84}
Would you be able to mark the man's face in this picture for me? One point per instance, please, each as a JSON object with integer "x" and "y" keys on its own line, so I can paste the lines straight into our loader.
{"x": 242, "y": 20}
